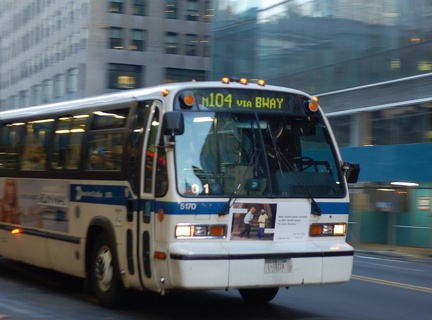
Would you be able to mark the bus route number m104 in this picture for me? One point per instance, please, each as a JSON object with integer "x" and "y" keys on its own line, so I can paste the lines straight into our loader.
{"x": 220, "y": 100}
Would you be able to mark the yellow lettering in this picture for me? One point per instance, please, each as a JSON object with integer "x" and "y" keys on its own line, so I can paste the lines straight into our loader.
{"x": 258, "y": 102}
{"x": 205, "y": 101}
{"x": 244, "y": 103}
{"x": 219, "y": 100}
{"x": 280, "y": 101}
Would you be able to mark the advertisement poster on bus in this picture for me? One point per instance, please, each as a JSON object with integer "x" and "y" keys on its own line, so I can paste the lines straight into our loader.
{"x": 35, "y": 203}
{"x": 263, "y": 221}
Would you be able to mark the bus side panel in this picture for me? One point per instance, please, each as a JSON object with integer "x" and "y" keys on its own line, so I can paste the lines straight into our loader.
{"x": 66, "y": 257}
{"x": 8, "y": 248}
{"x": 33, "y": 250}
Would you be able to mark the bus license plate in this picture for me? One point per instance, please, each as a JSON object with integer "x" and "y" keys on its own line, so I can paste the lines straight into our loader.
{"x": 276, "y": 266}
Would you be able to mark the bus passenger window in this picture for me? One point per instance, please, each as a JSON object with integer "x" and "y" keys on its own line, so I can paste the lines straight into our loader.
{"x": 9, "y": 135}
{"x": 105, "y": 152}
{"x": 67, "y": 142}
{"x": 34, "y": 158}
{"x": 35, "y": 143}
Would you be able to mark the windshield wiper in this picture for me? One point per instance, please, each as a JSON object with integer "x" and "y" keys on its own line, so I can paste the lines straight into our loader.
{"x": 280, "y": 157}
{"x": 228, "y": 204}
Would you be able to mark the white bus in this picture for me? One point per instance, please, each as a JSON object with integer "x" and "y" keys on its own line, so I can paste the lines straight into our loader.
{"x": 187, "y": 186}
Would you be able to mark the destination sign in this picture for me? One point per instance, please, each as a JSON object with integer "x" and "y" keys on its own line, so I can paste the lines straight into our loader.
{"x": 221, "y": 99}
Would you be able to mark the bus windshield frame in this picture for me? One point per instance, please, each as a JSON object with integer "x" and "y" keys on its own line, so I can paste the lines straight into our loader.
{"x": 257, "y": 155}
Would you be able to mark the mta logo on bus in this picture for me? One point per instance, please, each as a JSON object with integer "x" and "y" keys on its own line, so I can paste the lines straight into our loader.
{"x": 117, "y": 195}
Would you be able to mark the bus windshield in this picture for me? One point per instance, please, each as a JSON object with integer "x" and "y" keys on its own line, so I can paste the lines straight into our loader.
{"x": 256, "y": 154}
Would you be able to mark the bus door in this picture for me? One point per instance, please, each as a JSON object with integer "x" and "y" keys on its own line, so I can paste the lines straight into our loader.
{"x": 146, "y": 181}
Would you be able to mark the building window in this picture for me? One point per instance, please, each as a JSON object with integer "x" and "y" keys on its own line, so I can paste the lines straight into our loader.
{"x": 192, "y": 10}
{"x": 23, "y": 99}
{"x": 116, "y": 38}
{"x": 171, "y": 45}
{"x": 12, "y": 102}
{"x": 124, "y": 76}
{"x": 116, "y": 6}
{"x": 139, "y": 7}
{"x": 59, "y": 86}
{"x": 209, "y": 10}
{"x": 137, "y": 40}
{"x": 47, "y": 91}
{"x": 180, "y": 75}
{"x": 205, "y": 43}
{"x": 36, "y": 95}
{"x": 191, "y": 44}
{"x": 72, "y": 80}
{"x": 401, "y": 125}
{"x": 171, "y": 9}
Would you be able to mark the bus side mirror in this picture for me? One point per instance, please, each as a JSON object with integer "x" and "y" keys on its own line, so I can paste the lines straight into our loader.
{"x": 351, "y": 171}
{"x": 173, "y": 124}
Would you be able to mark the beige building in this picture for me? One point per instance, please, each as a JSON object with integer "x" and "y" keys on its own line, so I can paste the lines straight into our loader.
{"x": 53, "y": 50}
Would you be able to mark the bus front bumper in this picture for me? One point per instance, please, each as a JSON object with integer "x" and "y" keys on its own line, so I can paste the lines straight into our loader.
{"x": 231, "y": 265}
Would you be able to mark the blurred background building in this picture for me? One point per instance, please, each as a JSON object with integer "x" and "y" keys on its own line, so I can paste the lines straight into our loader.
{"x": 369, "y": 62}
{"x": 55, "y": 50}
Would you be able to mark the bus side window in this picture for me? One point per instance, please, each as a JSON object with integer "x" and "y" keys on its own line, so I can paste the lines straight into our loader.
{"x": 35, "y": 144}
{"x": 9, "y": 135}
{"x": 161, "y": 174}
{"x": 105, "y": 151}
{"x": 142, "y": 114}
{"x": 67, "y": 142}
{"x": 151, "y": 152}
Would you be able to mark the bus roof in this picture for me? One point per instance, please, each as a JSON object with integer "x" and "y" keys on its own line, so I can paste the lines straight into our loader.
{"x": 154, "y": 92}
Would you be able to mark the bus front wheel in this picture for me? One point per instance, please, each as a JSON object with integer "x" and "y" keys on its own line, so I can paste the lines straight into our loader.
{"x": 105, "y": 275}
{"x": 259, "y": 295}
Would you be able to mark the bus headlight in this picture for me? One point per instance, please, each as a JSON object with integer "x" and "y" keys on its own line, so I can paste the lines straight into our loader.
{"x": 200, "y": 231}
{"x": 327, "y": 229}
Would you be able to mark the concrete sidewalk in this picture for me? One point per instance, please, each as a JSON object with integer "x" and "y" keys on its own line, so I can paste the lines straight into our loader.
{"x": 398, "y": 252}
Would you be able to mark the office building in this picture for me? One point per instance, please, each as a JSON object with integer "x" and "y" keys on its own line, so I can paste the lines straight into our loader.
{"x": 53, "y": 50}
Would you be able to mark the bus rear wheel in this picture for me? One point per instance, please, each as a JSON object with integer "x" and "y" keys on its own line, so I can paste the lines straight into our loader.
{"x": 105, "y": 275}
{"x": 259, "y": 295}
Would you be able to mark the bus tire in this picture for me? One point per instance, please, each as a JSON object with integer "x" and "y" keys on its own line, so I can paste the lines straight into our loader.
{"x": 259, "y": 295}
{"x": 105, "y": 275}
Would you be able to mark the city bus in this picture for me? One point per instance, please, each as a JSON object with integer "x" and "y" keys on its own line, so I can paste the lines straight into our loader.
{"x": 230, "y": 184}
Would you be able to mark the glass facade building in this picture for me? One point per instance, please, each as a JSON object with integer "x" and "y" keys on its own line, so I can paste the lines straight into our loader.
{"x": 370, "y": 64}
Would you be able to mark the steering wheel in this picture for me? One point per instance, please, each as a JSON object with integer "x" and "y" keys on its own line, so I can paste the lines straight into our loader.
{"x": 303, "y": 163}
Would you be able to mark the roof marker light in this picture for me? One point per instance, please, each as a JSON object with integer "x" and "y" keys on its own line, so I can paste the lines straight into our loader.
{"x": 261, "y": 82}
{"x": 165, "y": 92}
{"x": 225, "y": 80}
{"x": 243, "y": 81}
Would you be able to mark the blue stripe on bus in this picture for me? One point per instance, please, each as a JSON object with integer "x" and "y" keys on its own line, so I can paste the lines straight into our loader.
{"x": 193, "y": 207}
{"x": 334, "y": 207}
{"x": 216, "y": 207}
{"x": 118, "y": 195}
